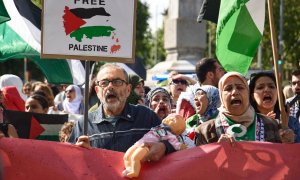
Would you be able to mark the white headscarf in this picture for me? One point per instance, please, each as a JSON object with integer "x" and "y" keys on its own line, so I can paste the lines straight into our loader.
{"x": 73, "y": 106}
{"x": 12, "y": 80}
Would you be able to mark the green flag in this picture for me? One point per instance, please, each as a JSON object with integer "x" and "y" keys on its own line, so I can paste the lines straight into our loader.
{"x": 239, "y": 32}
{"x": 20, "y": 37}
{"x": 3, "y": 13}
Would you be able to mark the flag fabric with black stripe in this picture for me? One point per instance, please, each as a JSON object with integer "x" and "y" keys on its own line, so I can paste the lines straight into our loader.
{"x": 21, "y": 37}
{"x": 3, "y": 13}
{"x": 239, "y": 31}
{"x": 209, "y": 11}
{"x": 36, "y": 126}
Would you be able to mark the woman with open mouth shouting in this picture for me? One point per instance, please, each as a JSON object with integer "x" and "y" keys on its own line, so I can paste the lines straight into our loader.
{"x": 237, "y": 119}
{"x": 160, "y": 101}
{"x": 264, "y": 99}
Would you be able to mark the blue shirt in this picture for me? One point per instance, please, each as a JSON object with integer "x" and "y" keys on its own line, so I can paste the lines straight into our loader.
{"x": 130, "y": 126}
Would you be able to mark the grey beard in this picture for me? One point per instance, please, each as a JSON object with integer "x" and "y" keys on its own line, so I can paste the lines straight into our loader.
{"x": 112, "y": 107}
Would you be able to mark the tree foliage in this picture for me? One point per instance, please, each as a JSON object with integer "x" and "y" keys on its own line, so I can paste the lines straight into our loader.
{"x": 158, "y": 52}
{"x": 143, "y": 33}
{"x": 291, "y": 35}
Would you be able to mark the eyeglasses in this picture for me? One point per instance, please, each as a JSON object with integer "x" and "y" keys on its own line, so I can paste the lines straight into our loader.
{"x": 69, "y": 91}
{"x": 294, "y": 83}
{"x": 177, "y": 81}
{"x": 115, "y": 82}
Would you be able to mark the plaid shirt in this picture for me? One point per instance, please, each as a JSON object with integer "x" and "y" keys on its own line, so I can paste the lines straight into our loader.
{"x": 294, "y": 109}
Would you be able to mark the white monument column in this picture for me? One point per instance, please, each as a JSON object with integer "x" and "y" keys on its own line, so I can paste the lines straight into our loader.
{"x": 185, "y": 39}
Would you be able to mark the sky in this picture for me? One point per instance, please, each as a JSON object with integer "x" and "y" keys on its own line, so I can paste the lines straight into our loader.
{"x": 156, "y": 8}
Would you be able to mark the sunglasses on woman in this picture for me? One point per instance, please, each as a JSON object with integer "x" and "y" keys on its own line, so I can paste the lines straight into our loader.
{"x": 177, "y": 81}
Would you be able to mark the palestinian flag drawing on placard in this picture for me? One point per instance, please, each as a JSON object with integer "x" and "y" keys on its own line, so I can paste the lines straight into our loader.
{"x": 20, "y": 36}
{"x": 74, "y": 25}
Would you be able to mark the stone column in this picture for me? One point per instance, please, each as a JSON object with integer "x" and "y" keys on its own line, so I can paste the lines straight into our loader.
{"x": 185, "y": 39}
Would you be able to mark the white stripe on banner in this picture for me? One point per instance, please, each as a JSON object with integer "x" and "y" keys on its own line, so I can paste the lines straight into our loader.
{"x": 18, "y": 24}
{"x": 256, "y": 8}
{"x": 51, "y": 129}
{"x": 77, "y": 71}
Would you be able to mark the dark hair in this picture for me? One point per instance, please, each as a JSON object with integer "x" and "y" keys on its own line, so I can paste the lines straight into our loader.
{"x": 296, "y": 72}
{"x": 41, "y": 99}
{"x": 147, "y": 89}
{"x": 39, "y": 92}
{"x": 253, "y": 78}
{"x": 204, "y": 66}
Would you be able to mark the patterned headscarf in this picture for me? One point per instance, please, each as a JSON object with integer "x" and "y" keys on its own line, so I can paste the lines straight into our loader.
{"x": 154, "y": 91}
{"x": 212, "y": 94}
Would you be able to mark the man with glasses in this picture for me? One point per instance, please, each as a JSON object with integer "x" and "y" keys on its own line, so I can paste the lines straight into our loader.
{"x": 116, "y": 124}
{"x": 295, "y": 83}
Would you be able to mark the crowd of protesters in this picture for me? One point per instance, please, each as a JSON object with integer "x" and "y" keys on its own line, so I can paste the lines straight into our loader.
{"x": 122, "y": 109}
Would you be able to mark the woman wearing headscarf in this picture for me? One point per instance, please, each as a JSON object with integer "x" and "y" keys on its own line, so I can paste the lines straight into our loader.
{"x": 137, "y": 93}
{"x": 263, "y": 98}
{"x": 206, "y": 102}
{"x": 237, "y": 119}
{"x": 160, "y": 101}
{"x": 73, "y": 102}
{"x": 12, "y": 80}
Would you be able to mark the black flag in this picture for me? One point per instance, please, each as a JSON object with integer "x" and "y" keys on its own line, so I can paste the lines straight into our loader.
{"x": 209, "y": 11}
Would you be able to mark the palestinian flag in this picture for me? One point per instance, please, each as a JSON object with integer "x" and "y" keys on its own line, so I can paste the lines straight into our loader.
{"x": 21, "y": 37}
{"x": 239, "y": 32}
{"x": 74, "y": 20}
{"x": 35, "y": 125}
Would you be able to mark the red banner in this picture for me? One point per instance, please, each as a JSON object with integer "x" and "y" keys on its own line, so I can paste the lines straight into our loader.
{"x": 33, "y": 159}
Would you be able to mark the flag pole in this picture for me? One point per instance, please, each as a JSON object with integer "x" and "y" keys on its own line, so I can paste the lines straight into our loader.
{"x": 86, "y": 96}
{"x": 283, "y": 118}
{"x": 26, "y": 79}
